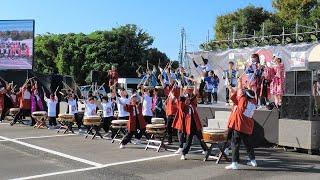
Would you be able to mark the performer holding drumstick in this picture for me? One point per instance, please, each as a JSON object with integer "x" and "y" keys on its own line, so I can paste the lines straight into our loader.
{"x": 241, "y": 123}
{"x": 188, "y": 121}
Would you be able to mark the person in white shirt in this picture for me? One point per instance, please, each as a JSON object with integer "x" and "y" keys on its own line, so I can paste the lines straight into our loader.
{"x": 73, "y": 109}
{"x": 107, "y": 113}
{"x": 124, "y": 100}
{"x": 91, "y": 107}
{"x": 52, "y": 111}
{"x": 147, "y": 106}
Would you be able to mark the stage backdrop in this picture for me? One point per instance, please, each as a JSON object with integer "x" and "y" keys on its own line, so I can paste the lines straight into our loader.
{"x": 294, "y": 56}
{"x": 16, "y": 44}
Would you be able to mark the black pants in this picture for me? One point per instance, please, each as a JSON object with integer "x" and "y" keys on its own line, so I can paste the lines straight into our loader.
{"x": 147, "y": 119}
{"x": 264, "y": 94}
{"x": 227, "y": 95}
{"x": 52, "y": 121}
{"x": 106, "y": 123}
{"x": 201, "y": 91}
{"x": 22, "y": 113}
{"x": 4, "y": 113}
{"x": 124, "y": 117}
{"x": 182, "y": 139}
{"x": 235, "y": 145}
{"x": 208, "y": 94}
{"x": 78, "y": 120}
{"x": 138, "y": 134}
{"x": 214, "y": 95}
{"x": 169, "y": 127}
{"x": 189, "y": 142}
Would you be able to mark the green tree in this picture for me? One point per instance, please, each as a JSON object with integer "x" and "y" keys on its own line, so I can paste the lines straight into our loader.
{"x": 77, "y": 54}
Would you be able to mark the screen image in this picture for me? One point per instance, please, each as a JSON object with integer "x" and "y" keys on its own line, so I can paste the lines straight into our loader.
{"x": 16, "y": 44}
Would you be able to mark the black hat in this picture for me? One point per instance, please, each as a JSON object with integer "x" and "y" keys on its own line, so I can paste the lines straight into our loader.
{"x": 250, "y": 94}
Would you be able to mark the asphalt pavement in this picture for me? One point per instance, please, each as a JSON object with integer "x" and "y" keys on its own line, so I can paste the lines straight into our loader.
{"x": 28, "y": 153}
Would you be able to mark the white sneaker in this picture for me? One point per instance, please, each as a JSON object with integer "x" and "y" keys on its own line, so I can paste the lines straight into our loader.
{"x": 137, "y": 142}
{"x": 232, "y": 166}
{"x": 204, "y": 152}
{"x": 179, "y": 151}
{"x": 122, "y": 146}
{"x": 227, "y": 104}
{"x": 183, "y": 157}
{"x": 50, "y": 127}
{"x": 252, "y": 163}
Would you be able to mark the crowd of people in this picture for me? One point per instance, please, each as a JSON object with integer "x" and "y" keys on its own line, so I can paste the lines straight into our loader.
{"x": 14, "y": 49}
{"x": 171, "y": 94}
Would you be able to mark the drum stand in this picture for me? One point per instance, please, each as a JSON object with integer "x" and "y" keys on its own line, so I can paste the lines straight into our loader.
{"x": 97, "y": 131}
{"x": 160, "y": 142}
{"x": 40, "y": 122}
{"x": 116, "y": 138}
{"x": 221, "y": 153}
{"x": 65, "y": 125}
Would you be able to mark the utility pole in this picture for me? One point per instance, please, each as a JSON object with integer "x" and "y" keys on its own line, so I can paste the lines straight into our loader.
{"x": 183, "y": 46}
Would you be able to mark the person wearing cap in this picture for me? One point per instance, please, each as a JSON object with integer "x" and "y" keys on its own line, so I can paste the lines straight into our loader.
{"x": 230, "y": 76}
{"x": 188, "y": 122}
{"x": 136, "y": 125}
{"x": 277, "y": 84}
{"x": 240, "y": 123}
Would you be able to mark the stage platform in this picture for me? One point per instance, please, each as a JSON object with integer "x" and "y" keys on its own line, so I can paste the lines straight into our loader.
{"x": 207, "y": 111}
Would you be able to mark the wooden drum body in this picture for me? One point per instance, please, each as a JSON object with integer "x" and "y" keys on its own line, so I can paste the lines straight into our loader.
{"x": 92, "y": 120}
{"x": 119, "y": 124}
{"x": 14, "y": 111}
{"x": 157, "y": 121}
{"x": 156, "y": 128}
{"x": 66, "y": 117}
{"x": 39, "y": 114}
{"x": 214, "y": 135}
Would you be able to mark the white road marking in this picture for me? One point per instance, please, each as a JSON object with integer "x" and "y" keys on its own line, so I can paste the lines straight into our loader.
{"x": 93, "y": 168}
{"x": 52, "y": 152}
{"x": 40, "y": 137}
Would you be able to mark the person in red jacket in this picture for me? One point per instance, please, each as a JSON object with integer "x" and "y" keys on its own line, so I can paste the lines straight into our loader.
{"x": 241, "y": 123}
{"x": 188, "y": 122}
{"x": 171, "y": 110}
{"x": 136, "y": 124}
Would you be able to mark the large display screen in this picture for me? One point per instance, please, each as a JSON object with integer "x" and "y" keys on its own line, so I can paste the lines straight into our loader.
{"x": 16, "y": 44}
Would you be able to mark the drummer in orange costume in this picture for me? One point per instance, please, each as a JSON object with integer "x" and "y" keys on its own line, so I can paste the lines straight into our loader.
{"x": 188, "y": 121}
{"x": 136, "y": 124}
{"x": 241, "y": 123}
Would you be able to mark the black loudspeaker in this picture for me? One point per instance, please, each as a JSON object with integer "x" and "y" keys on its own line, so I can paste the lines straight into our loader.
{"x": 95, "y": 76}
{"x": 298, "y": 107}
{"x": 290, "y": 83}
{"x": 304, "y": 82}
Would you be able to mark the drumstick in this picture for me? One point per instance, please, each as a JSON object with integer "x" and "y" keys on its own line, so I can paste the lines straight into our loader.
{"x": 55, "y": 92}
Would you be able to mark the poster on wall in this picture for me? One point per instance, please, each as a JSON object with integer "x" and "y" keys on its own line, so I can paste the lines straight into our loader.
{"x": 16, "y": 44}
{"x": 298, "y": 59}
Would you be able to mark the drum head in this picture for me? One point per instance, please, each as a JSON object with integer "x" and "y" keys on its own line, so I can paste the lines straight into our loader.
{"x": 156, "y": 126}
{"x": 120, "y": 121}
{"x": 39, "y": 113}
{"x": 214, "y": 131}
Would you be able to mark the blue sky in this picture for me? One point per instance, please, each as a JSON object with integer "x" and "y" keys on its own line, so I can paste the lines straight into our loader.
{"x": 163, "y": 19}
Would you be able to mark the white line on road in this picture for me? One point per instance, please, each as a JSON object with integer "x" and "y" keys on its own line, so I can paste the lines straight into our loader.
{"x": 93, "y": 168}
{"x": 40, "y": 137}
{"x": 52, "y": 152}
